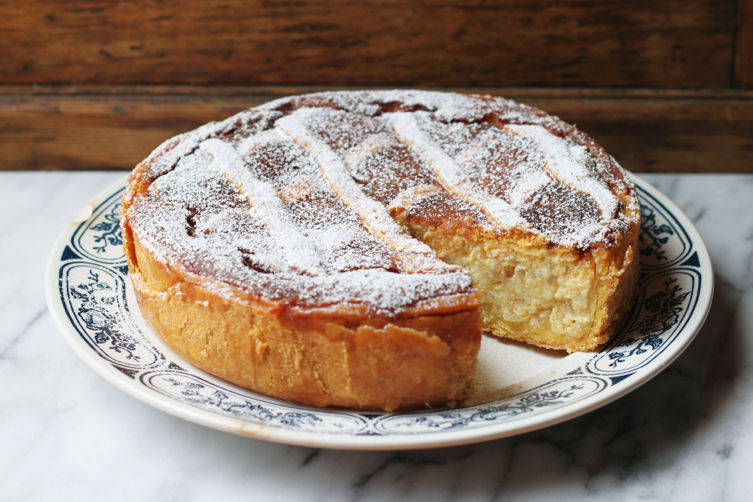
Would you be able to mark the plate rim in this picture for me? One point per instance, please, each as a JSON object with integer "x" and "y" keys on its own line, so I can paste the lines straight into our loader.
{"x": 421, "y": 440}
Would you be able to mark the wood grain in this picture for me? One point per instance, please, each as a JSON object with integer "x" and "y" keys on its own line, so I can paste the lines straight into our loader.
{"x": 638, "y": 43}
{"x": 743, "y": 75}
{"x": 100, "y": 127}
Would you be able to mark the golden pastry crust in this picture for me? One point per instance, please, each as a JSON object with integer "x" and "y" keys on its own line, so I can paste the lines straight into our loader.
{"x": 322, "y": 358}
{"x": 342, "y": 249}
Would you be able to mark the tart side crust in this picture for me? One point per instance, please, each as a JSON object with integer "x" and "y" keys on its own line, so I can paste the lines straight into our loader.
{"x": 321, "y": 358}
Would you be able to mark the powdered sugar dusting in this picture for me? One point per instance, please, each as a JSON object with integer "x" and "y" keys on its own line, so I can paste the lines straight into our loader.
{"x": 289, "y": 201}
{"x": 450, "y": 173}
{"x": 246, "y": 123}
{"x": 533, "y": 159}
{"x": 266, "y": 206}
{"x": 566, "y": 160}
{"x": 413, "y": 254}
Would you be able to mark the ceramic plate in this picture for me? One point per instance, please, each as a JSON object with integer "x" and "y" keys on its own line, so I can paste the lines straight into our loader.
{"x": 519, "y": 388}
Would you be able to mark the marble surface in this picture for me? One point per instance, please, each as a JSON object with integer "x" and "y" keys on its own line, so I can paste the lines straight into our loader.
{"x": 66, "y": 434}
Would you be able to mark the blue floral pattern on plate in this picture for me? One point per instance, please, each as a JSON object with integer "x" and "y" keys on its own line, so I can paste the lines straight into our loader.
{"x": 87, "y": 290}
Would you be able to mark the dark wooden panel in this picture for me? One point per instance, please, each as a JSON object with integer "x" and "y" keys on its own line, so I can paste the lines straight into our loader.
{"x": 744, "y": 44}
{"x": 669, "y": 131}
{"x": 670, "y": 43}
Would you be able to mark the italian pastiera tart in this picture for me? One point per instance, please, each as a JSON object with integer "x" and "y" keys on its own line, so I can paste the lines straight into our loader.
{"x": 347, "y": 248}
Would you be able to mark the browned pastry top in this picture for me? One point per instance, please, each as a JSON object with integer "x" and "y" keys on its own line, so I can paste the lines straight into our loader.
{"x": 290, "y": 202}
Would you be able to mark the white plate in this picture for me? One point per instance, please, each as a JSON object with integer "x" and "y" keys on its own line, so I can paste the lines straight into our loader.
{"x": 519, "y": 388}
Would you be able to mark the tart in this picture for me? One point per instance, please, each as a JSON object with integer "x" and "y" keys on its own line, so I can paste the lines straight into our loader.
{"x": 347, "y": 248}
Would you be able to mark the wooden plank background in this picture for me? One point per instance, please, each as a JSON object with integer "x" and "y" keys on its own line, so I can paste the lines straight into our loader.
{"x": 665, "y": 86}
